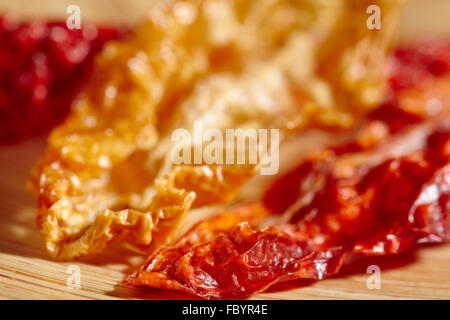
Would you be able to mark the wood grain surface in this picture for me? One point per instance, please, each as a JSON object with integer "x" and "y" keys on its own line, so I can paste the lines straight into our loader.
{"x": 26, "y": 272}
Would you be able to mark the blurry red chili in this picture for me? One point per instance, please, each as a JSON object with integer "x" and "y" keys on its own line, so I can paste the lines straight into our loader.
{"x": 42, "y": 65}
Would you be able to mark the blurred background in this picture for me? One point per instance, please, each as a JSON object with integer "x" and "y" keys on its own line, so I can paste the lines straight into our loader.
{"x": 418, "y": 16}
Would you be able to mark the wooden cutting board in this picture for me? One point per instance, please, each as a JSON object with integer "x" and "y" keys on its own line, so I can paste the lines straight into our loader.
{"x": 26, "y": 272}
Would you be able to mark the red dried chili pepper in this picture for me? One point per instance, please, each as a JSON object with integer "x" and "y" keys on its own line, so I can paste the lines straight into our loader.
{"x": 370, "y": 196}
{"x": 428, "y": 58}
{"x": 42, "y": 64}
{"x": 378, "y": 209}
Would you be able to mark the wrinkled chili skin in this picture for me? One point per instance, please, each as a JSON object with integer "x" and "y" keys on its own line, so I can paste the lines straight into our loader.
{"x": 374, "y": 211}
{"x": 42, "y": 66}
{"x": 379, "y": 208}
{"x": 383, "y": 209}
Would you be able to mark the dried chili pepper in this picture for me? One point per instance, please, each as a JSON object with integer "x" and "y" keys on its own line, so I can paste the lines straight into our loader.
{"x": 426, "y": 59}
{"x": 380, "y": 193}
{"x": 42, "y": 64}
{"x": 379, "y": 208}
